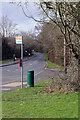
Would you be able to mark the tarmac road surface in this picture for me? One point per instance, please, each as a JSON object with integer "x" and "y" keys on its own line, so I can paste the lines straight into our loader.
{"x": 11, "y": 75}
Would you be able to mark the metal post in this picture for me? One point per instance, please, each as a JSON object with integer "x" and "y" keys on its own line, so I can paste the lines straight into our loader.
{"x": 22, "y": 64}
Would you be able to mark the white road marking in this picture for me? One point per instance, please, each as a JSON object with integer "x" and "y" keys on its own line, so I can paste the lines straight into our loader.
{"x": 5, "y": 89}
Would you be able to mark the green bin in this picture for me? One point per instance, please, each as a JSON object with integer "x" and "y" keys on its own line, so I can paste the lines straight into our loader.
{"x": 30, "y": 78}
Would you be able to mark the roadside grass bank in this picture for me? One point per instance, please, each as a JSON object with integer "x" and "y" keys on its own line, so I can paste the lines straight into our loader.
{"x": 53, "y": 65}
{"x": 50, "y": 64}
{"x": 11, "y": 60}
{"x": 31, "y": 103}
{"x": 8, "y": 60}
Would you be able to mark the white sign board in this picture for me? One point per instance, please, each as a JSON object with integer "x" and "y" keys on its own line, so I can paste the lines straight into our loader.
{"x": 18, "y": 39}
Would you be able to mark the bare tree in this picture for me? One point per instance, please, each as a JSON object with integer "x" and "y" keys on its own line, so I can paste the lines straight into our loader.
{"x": 54, "y": 11}
{"x": 28, "y": 41}
{"x": 7, "y": 27}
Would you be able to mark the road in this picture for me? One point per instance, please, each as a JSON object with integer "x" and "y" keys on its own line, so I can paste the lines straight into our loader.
{"x": 11, "y": 75}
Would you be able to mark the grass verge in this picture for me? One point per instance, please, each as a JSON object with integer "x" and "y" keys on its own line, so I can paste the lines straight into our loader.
{"x": 7, "y": 60}
{"x": 30, "y": 103}
{"x": 50, "y": 64}
{"x": 10, "y": 60}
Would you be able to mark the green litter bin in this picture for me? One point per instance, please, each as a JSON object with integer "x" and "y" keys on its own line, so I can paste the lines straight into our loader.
{"x": 30, "y": 78}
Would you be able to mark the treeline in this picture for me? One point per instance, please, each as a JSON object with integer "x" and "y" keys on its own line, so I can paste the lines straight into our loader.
{"x": 8, "y": 33}
{"x": 9, "y": 46}
{"x": 7, "y": 50}
{"x": 51, "y": 42}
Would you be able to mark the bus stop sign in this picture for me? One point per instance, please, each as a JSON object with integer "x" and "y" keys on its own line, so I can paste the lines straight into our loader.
{"x": 18, "y": 39}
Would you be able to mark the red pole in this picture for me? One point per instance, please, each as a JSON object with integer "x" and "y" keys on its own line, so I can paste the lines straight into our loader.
{"x": 19, "y": 62}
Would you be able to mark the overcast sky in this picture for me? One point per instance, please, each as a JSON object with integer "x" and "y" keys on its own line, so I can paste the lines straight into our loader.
{"x": 15, "y": 13}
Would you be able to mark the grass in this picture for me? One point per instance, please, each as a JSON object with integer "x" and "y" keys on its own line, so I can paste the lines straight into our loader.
{"x": 50, "y": 64}
{"x": 30, "y": 103}
{"x": 61, "y": 69}
{"x": 68, "y": 69}
{"x": 9, "y": 60}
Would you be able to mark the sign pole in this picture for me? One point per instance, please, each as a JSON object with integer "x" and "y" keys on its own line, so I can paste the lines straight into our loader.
{"x": 22, "y": 64}
{"x": 19, "y": 40}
